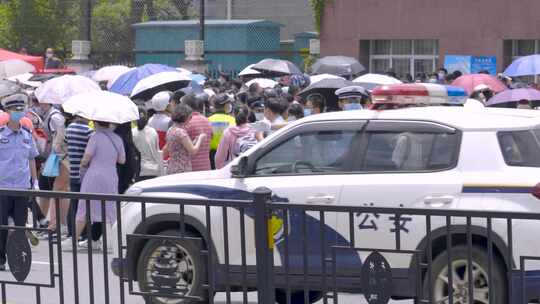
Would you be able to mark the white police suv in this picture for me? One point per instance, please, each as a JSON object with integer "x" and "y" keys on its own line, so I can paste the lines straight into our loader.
{"x": 439, "y": 157}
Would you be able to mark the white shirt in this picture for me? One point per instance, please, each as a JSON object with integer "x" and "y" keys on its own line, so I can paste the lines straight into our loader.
{"x": 160, "y": 122}
{"x": 146, "y": 142}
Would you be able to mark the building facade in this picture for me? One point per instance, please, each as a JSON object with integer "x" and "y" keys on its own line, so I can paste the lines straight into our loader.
{"x": 295, "y": 15}
{"x": 414, "y": 36}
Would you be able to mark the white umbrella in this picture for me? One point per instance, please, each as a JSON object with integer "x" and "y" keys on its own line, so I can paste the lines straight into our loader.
{"x": 249, "y": 71}
{"x": 25, "y": 79}
{"x": 102, "y": 106}
{"x": 164, "y": 81}
{"x": 111, "y": 81}
{"x": 59, "y": 90}
{"x": 316, "y": 78}
{"x": 110, "y": 72}
{"x": 263, "y": 83}
{"x": 14, "y": 67}
{"x": 377, "y": 79}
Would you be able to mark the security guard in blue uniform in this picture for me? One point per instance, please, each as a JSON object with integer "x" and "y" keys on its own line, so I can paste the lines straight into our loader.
{"x": 17, "y": 154}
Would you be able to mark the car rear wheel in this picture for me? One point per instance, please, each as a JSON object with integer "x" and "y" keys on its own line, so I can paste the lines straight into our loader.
{"x": 460, "y": 278}
{"x": 172, "y": 267}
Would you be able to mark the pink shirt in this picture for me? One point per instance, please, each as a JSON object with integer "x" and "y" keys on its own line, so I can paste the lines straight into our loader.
{"x": 198, "y": 125}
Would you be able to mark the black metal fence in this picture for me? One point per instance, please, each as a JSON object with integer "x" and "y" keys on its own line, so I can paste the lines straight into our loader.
{"x": 168, "y": 250}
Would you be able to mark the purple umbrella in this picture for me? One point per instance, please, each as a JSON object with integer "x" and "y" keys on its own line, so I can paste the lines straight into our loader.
{"x": 513, "y": 96}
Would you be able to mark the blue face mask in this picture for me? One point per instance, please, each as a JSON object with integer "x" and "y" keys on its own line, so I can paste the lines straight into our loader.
{"x": 353, "y": 106}
{"x": 308, "y": 112}
{"x": 16, "y": 116}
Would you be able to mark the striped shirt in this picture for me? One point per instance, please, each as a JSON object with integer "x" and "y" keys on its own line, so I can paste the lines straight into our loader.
{"x": 77, "y": 137}
{"x": 199, "y": 124}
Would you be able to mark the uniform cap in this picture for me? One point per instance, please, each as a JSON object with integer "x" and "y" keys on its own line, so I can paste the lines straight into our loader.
{"x": 352, "y": 92}
{"x": 161, "y": 100}
{"x": 15, "y": 101}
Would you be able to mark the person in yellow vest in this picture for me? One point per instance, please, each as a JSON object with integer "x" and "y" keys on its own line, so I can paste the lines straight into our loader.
{"x": 220, "y": 121}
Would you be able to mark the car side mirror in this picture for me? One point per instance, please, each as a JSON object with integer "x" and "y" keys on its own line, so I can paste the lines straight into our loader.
{"x": 241, "y": 168}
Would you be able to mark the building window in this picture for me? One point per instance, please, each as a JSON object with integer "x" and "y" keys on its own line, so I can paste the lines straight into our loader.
{"x": 404, "y": 56}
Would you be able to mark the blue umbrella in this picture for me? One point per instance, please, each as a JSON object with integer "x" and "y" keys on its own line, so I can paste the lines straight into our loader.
{"x": 524, "y": 66}
{"x": 124, "y": 84}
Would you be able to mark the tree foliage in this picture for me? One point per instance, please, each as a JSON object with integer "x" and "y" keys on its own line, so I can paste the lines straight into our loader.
{"x": 38, "y": 24}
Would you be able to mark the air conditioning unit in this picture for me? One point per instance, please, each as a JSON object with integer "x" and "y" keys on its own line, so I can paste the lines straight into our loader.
{"x": 314, "y": 46}
{"x": 194, "y": 49}
{"x": 80, "y": 49}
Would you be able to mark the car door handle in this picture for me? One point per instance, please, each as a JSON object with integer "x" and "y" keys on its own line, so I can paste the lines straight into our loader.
{"x": 438, "y": 200}
{"x": 321, "y": 199}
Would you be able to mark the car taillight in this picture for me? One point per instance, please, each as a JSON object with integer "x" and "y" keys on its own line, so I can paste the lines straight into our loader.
{"x": 536, "y": 191}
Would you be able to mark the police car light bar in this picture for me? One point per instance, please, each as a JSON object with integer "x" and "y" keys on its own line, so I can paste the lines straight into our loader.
{"x": 419, "y": 94}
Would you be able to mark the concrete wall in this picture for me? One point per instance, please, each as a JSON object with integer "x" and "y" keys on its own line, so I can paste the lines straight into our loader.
{"x": 296, "y": 15}
{"x": 467, "y": 27}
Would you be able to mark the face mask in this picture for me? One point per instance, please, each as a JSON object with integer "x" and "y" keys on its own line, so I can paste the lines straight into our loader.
{"x": 291, "y": 118}
{"x": 259, "y": 116}
{"x": 442, "y": 76}
{"x": 16, "y": 116}
{"x": 352, "y": 106}
{"x": 49, "y": 55}
{"x": 307, "y": 112}
{"x": 37, "y": 110}
{"x": 433, "y": 80}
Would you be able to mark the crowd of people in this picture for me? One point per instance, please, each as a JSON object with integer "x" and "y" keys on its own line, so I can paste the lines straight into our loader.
{"x": 178, "y": 131}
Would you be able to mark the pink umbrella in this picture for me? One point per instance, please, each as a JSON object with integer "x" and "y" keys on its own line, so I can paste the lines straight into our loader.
{"x": 470, "y": 81}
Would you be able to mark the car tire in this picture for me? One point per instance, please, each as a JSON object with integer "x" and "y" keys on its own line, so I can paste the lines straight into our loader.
{"x": 480, "y": 262}
{"x": 187, "y": 254}
{"x": 297, "y": 296}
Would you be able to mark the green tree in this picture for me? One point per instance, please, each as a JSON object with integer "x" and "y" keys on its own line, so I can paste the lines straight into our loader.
{"x": 38, "y": 24}
{"x": 111, "y": 39}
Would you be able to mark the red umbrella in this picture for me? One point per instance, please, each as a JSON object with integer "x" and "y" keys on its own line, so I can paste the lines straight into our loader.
{"x": 470, "y": 81}
{"x": 33, "y": 60}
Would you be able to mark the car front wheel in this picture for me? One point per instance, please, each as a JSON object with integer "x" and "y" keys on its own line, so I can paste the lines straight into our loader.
{"x": 172, "y": 267}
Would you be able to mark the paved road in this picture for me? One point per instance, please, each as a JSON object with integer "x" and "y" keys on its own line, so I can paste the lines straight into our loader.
{"x": 41, "y": 274}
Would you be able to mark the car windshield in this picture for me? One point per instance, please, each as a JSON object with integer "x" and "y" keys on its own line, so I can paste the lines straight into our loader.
{"x": 521, "y": 148}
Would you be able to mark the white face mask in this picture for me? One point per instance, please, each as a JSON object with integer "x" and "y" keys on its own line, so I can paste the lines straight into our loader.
{"x": 259, "y": 116}
{"x": 291, "y": 118}
{"x": 49, "y": 55}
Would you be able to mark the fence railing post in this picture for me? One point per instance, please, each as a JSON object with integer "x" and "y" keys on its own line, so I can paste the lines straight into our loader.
{"x": 265, "y": 255}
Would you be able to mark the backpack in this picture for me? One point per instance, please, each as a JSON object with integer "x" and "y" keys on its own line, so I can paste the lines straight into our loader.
{"x": 244, "y": 143}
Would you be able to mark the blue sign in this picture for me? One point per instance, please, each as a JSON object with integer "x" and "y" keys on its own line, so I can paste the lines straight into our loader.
{"x": 457, "y": 63}
{"x": 470, "y": 64}
{"x": 484, "y": 63}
